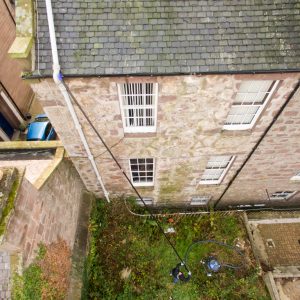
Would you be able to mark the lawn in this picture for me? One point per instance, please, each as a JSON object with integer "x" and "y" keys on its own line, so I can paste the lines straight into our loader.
{"x": 129, "y": 258}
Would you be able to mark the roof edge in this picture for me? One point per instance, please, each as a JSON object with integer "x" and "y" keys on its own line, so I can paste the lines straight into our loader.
{"x": 28, "y": 76}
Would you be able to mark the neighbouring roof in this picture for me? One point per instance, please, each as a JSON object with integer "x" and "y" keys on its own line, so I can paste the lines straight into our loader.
{"x": 145, "y": 36}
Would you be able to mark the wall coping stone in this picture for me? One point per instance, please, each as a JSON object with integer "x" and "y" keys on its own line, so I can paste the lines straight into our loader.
{"x": 30, "y": 145}
{"x": 40, "y": 181}
{"x": 21, "y": 47}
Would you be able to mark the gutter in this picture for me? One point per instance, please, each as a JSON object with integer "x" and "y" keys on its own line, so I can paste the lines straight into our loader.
{"x": 275, "y": 71}
{"x": 57, "y": 77}
{"x": 258, "y": 142}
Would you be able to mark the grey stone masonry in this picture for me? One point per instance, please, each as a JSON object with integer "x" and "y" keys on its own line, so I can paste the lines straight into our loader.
{"x": 4, "y": 276}
{"x": 112, "y": 37}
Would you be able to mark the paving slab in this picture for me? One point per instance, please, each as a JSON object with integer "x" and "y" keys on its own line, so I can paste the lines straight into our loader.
{"x": 282, "y": 243}
{"x": 5, "y": 292}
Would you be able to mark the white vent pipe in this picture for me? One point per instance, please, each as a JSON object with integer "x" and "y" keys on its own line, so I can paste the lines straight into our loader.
{"x": 57, "y": 77}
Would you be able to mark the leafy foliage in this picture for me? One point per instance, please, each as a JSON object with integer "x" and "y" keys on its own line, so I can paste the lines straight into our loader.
{"x": 29, "y": 285}
{"x": 120, "y": 241}
{"x": 47, "y": 277}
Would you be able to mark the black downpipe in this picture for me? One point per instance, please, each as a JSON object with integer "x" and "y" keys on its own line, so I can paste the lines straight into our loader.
{"x": 258, "y": 143}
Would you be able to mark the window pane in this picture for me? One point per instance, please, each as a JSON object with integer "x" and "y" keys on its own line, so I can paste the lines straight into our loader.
{"x": 134, "y": 167}
{"x": 133, "y": 161}
{"x": 241, "y": 114}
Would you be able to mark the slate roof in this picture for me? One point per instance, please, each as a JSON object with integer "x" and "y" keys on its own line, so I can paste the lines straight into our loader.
{"x": 146, "y": 36}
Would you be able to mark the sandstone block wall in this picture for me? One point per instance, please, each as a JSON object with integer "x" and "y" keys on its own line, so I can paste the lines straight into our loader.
{"x": 43, "y": 216}
{"x": 191, "y": 114}
{"x": 273, "y": 164}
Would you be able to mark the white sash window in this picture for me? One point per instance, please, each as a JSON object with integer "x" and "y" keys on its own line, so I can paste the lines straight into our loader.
{"x": 138, "y": 103}
{"x": 250, "y": 101}
{"x": 216, "y": 169}
{"x": 282, "y": 195}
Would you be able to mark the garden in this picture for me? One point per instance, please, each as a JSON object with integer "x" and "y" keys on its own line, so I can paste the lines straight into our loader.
{"x": 47, "y": 277}
{"x": 129, "y": 257}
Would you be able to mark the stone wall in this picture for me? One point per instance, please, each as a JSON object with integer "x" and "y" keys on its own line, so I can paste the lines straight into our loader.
{"x": 43, "y": 216}
{"x": 191, "y": 114}
{"x": 274, "y": 163}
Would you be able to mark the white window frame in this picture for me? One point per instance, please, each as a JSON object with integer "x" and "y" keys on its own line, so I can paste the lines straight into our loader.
{"x": 153, "y": 106}
{"x": 225, "y": 170}
{"x": 147, "y": 183}
{"x": 296, "y": 177}
{"x": 257, "y": 114}
{"x": 148, "y": 200}
{"x": 199, "y": 200}
{"x": 289, "y": 194}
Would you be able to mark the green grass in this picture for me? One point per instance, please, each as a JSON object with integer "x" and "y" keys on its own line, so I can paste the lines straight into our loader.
{"x": 119, "y": 240}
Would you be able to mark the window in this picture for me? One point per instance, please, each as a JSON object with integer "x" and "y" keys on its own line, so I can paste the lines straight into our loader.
{"x": 282, "y": 195}
{"x": 249, "y": 205}
{"x": 147, "y": 200}
{"x": 270, "y": 243}
{"x": 250, "y": 100}
{"x": 296, "y": 177}
{"x": 138, "y": 106}
{"x": 200, "y": 200}
{"x": 142, "y": 171}
{"x": 216, "y": 169}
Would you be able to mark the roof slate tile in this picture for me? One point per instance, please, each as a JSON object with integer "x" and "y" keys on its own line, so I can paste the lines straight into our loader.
{"x": 169, "y": 36}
